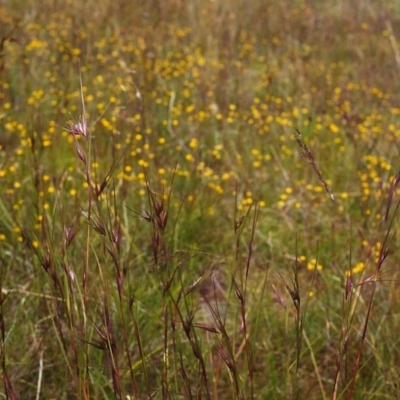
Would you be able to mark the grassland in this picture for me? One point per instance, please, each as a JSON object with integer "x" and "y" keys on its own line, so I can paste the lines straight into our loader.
{"x": 165, "y": 232}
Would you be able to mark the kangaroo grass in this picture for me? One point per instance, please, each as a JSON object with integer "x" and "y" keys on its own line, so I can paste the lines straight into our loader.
{"x": 144, "y": 244}
{"x": 307, "y": 154}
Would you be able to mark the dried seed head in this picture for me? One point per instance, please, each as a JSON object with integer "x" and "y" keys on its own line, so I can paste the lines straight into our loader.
{"x": 99, "y": 227}
{"x": 79, "y": 128}
{"x": 159, "y": 207}
{"x": 162, "y": 219}
{"x": 80, "y": 153}
{"x": 307, "y": 154}
{"x": 69, "y": 234}
{"x": 187, "y": 324}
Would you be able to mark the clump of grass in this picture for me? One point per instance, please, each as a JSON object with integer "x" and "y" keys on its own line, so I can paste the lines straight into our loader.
{"x": 167, "y": 242}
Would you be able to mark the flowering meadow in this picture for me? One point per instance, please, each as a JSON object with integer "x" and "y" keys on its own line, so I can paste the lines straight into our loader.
{"x": 199, "y": 199}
